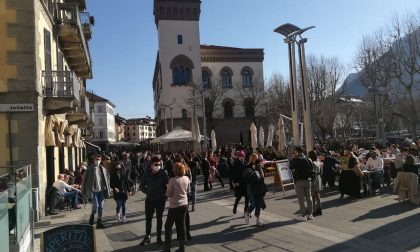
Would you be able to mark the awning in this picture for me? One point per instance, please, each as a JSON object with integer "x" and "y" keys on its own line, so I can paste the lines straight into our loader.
{"x": 93, "y": 145}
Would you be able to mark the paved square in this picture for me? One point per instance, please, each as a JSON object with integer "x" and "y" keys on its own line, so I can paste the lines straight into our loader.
{"x": 379, "y": 223}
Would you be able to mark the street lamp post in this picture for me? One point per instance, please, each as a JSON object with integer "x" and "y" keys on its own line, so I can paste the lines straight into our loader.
{"x": 291, "y": 32}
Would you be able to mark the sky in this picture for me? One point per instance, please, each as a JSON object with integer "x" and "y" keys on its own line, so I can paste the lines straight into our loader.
{"x": 124, "y": 43}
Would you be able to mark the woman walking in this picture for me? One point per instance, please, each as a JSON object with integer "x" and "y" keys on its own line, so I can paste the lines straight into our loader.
{"x": 316, "y": 186}
{"x": 256, "y": 188}
{"x": 239, "y": 183}
{"x": 178, "y": 189}
{"x": 121, "y": 189}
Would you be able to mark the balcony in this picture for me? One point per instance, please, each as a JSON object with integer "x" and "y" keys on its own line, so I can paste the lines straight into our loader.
{"x": 80, "y": 3}
{"x": 72, "y": 35}
{"x": 81, "y": 116}
{"x": 61, "y": 90}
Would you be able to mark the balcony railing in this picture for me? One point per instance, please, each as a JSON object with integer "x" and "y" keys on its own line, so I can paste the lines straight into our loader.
{"x": 68, "y": 14}
{"x": 61, "y": 84}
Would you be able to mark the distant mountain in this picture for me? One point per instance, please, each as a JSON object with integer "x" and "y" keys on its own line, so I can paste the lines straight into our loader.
{"x": 353, "y": 87}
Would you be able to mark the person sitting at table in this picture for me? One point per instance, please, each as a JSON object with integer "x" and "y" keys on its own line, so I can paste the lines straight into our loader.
{"x": 399, "y": 160}
{"x": 376, "y": 164}
{"x": 410, "y": 165}
{"x": 66, "y": 190}
{"x": 350, "y": 178}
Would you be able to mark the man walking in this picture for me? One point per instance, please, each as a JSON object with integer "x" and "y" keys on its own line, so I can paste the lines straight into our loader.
{"x": 153, "y": 184}
{"x": 302, "y": 173}
{"x": 96, "y": 187}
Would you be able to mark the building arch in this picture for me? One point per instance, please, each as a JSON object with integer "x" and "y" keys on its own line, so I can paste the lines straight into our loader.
{"x": 181, "y": 67}
{"x": 226, "y": 74}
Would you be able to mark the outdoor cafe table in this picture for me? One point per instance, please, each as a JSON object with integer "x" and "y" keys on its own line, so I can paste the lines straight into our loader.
{"x": 367, "y": 174}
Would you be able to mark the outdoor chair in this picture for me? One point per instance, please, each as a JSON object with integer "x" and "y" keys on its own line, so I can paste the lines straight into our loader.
{"x": 349, "y": 184}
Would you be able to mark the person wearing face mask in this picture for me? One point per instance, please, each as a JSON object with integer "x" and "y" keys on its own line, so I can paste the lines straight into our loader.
{"x": 239, "y": 183}
{"x": 121, "y": 188}
{"x": 96, "y": 187}
{"x": 153, "y": 184}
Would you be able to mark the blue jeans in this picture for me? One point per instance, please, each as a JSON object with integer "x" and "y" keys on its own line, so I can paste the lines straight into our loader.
{"x": 121, "y": 205}
{"x": 98, "y": 203}
{"x": 73, "y": 196}
{"x": 253, "y": 203}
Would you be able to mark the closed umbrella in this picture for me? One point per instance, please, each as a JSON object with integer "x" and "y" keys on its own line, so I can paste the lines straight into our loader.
{"x": 254, "y": 143}
{"x": 213, "y": 141}
{"x": 261, "y": 136}
{"x": 270, "y": 135}
{"x": 195, "y": 132}
{"x": 281, "y": 136}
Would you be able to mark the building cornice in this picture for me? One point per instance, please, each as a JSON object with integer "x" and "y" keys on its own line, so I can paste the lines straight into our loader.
{"x": 220, "y": 54}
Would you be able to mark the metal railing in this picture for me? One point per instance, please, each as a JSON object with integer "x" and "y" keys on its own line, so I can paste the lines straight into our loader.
{"x": 57, "y": 84}
{"x": 69, "y": 14}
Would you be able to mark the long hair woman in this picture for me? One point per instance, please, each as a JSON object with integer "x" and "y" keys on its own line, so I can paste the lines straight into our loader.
{"x": 119, "y": 185}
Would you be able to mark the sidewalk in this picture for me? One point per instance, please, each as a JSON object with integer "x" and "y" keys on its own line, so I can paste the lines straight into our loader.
{"x": 379, "y": 223}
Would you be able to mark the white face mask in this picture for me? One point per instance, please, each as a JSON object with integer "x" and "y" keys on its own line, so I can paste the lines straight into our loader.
{"x": 155, "y": 169}
{"x": 97, "y": 162}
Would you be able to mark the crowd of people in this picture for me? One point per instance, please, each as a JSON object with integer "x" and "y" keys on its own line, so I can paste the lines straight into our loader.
{"x": 172, "y": 178}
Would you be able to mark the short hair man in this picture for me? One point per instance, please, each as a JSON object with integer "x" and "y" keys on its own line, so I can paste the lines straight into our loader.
{"x": 66, "y": 190}
{"x": 96, "y": 187}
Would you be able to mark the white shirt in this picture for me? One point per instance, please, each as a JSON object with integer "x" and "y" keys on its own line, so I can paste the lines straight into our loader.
{"x": 62, "y": 186}
{"x": 377, "y": 164}
{"x": 98, "y": 179}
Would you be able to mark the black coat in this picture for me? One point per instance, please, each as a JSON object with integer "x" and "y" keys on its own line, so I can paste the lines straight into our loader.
{"x": 120, "y": 181}
{"x": 237, "y": 177}
{"x": 154, "y": 185}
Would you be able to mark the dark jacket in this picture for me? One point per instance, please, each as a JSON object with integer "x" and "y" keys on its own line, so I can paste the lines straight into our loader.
{"x": 237, "y": 177}
{"x": 120, "y": 181}
{"x": 154, "y": 185}
{"x": 297, "y": 165}
{"x": 411, "y": 168}
{"x": 193, "y": 169}
{"x": 205, "y": 165}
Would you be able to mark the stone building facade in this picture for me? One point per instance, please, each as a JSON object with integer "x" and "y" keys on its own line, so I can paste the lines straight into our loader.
{"x": 227, "y": 81}
{"x": 44, "y": 61}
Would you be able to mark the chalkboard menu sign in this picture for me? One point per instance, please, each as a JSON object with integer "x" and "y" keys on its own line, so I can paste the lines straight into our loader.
{"x": 72, "y": 238}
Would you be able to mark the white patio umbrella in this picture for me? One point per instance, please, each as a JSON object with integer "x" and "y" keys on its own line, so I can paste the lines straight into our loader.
{"x": 270, "y": 135}
{"x": 254, "y": 143}
{"x": 261, "y": 136}
{"x": 213, "y": 141}
{"x": 195, "y": 133}
{"x": 281, "y": 136}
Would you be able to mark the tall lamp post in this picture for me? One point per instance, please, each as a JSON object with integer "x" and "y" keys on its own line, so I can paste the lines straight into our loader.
{"x": 292, "y": 32}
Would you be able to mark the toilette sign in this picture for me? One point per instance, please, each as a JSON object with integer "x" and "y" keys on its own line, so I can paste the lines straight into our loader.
{"x": 21, "y": 107}
{"x": 75, "y": 238}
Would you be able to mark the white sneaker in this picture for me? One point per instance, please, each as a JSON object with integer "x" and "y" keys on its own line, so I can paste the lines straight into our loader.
{"x": 301, "y": 218}
{"x": 118, "y": 217}
{"x": 124, "y": 219}
{"x": 246, "y": 216}
{"x": 259, "y": 222}
{"x": 310, "y": 217}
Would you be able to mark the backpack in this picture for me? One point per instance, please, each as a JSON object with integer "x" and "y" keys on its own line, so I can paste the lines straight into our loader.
{"x": 309, "y": 171}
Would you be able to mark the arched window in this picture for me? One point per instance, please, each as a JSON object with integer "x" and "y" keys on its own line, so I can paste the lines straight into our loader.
{"x": 247, "y": 76}
{"x": 228, "y": 109}
{"x": 226, "y": 75}
{"x": 181, "y": 67}
{"x": 249, "y": 108}
{"x": 206, "y": 77}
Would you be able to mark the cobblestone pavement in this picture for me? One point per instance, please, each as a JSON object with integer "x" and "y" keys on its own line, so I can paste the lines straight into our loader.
{"x": 379, "y": 223}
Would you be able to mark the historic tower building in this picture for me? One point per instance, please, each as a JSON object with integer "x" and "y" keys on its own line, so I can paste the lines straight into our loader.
{"x": 231, "y": 79}
{"x": 178, "y": 63}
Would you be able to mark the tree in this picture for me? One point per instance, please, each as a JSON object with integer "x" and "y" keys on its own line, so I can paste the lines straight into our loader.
{"x": 324, "y": 76}
{"x": 253, "y": 99}
{"x": 277, "y": 97}
{"x": 389, "y": 63}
